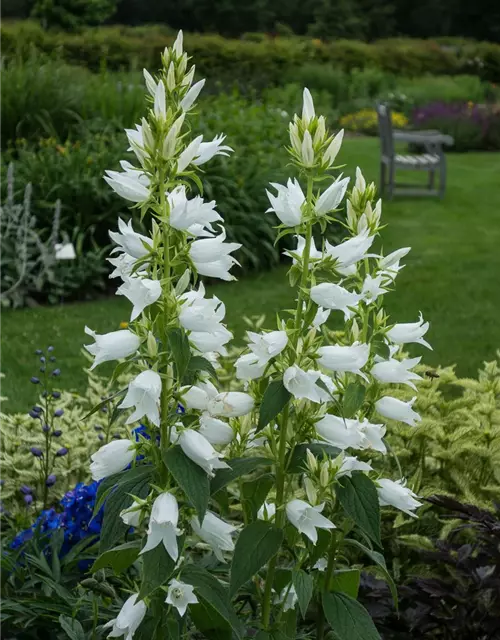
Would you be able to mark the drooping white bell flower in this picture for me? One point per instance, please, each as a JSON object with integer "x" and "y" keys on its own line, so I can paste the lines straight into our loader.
{"x": 211, "y": 341}
{"x": 303, "y": 384}
{"x": 314, "y": 254}
{"x": 307, "y": 107}
{"x": 186, "y": 212}
{"x": 163, "y": 525}
{"x": 248, "y": 367}
{"x": 231, "y": 404}
{"x": 132, "y": 515}
{"x": 207, "y": 150}
{"x": 216, "y": 431}
{"x": 215, "y": 532}
{"x": 350, "y": 464}
{"x": 199, "y": 395}
{"x": 180, "y": 595}
{"x": 111, "y": 458}
{"x": 144, "y": 393}
{"x": 123, "y": 266}
{"x": 287, "y": 204}
{"x": 374, "y": 434}
{"x": 141, "y": 292}
{"x": 306, "y": 519}
{"x": 396, "y": 371}
{"x": 331, "y": 197}
{"x": 406, "y": 333}
{"x": 345, "y": 358}
{"x": 321, "y": 565}
{"x": 267, "y": 345}
{"x": 332, "y": 296}
{"x": 321, "y": 317}
{"x": 350, "y": 251}
{"x": 395, "y": 409}
{"x": 127, "y": 186}
{"x": 333, "y": 149}
{"x": 129, "y": 241}
{"x": 111, "y": 346}
{"x": 189, "y": 153}
{"x": 287, "y": 598}
{"x": 129, "y": 619}
{"x": 372, "y": 288}
{"x": 201, "y": 314}
{"x": 200, "y": 451}
{"x": 343, "y": 433}
{"x": 390, "y": 260}
{"x": 211, "y": 256}
{"x": 191, "y": 96}
{"x": 141, "y": 140}
{"x": 395, "y": 494}
{"x": 267, "y": 511}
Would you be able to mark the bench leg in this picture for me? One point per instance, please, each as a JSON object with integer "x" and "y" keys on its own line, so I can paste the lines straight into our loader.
{"x": 391, "y": 181}
{"x": 442, "y": 177}
{"x": 432, "y": 175}
{"x": 382, "y": 178}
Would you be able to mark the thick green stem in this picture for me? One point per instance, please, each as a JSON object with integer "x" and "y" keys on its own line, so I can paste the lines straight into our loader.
{"x": 332, "y": 556}
{"x": 281, "y": 462}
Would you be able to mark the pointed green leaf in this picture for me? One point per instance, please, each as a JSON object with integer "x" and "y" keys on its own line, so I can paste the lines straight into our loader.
{"x": 304, "y": 585}
{"x": 346, "y": 581}
{"x": 239, "y": 467}
{"x": 359, "y": 499}
{"x": 255, "y": 492}
{"x": 256, "y": 545}
{"x": 119, "y": 558}
{"x": 181, "y": 352}
{"x": 104, "y": 403}
{"x": 299, "y": 456}
{"x": 72, "y": 628}
{"x": 348, "y": 619}
{"x": 274, "y": 401}
{"x": 199, "y": 363}
{"x": 191, "y": 478}
{"x": 354, "y": 396}
{"x": 117, "y": 479}
{"x": 157, "y": 566}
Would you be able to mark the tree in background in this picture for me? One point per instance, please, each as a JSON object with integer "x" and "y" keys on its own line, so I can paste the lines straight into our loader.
{"x": 72, "y": 14}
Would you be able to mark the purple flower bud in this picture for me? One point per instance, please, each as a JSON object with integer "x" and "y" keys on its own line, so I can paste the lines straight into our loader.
{"x": 62, "y": 452}
{"x": 38, "y": 352}
{"x": 25, "y": 490}
{"x": 104, "y": 409}
{"x": 50, "y": 349}
{"x": 45, "y": 428}
{"x": 101, "y": 437}
{"x": 37, "y": 452}
{"x": 56, "y": 394}
{"x": 37, "y": 409}
{"x": 45, "y": 394}
{"x": 98, "y": 427}
{"x": 35, "y": 380}
{"x": 34, "y": 415}
{"x": 57, "y": 433}
{"x": 51, "y": 480}
{"x": 42, "y": 359}
{"x": 52, "y": 358}
{"x": 58, "y": 413}
{"x": 42, "y": 369}
{"x": 2, "y": 482}
{"x": 56, "y": 372}
{"x": 28, "y": 500}
{"x": 117, "y": 436}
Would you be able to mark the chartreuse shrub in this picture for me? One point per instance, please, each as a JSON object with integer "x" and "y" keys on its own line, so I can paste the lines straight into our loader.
{"x": 366, "y": 121}
{"x": 258, "y": 479}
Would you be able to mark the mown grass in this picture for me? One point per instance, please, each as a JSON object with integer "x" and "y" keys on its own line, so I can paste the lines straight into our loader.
{"x": 452, "y": 276}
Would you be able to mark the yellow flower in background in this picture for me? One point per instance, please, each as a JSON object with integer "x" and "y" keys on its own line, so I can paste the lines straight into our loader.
{"x": 123, "y": 325}
{"x": 366, "y": 121}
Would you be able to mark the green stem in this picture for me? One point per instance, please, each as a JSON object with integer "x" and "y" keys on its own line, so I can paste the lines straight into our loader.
{"x": 332, "y": 556}
{"x": 281, "y": 462}
{"x": 165, "y": 392}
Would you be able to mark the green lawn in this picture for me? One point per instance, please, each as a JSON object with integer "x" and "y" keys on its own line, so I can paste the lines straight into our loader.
{"x": 453, "y": 277}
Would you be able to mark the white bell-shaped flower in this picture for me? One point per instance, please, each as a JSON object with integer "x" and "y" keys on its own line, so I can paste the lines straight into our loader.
{"x": 394, "y": 494}
{"x": 215, "y": 532}
{"x": 111, "y": 458}
{"x": 267, "y": 345}
{"x": 206, "y": 341}
{"x": 331, "y": 197}
{"x": 332, "y": 296}
{"x": 307, "y": 519}
{"x": 132, "y": 515}
{"x": 267, "y": 511}
{"x": 345, "y": 358}
{"x": 303, "y": 384}
{"x": 180, "y": 595}
{"x": 111, "y": 346}
{"x": 344, "y": 433}
{"x": 200, "y": 451}
{"x": 287, "y": 598}
{"x": 321, "y": 317}
{"x": 127, "y": 185}
{"x": 231, "y": 404}
{"x": 163, "y": 525}
{"x": 390, "y": 260}
{"x": 185, "y": 212}
{"x": 208, "y": 150}
{"x": 129, "y": 241}
{"x": 314, "y": 254}
{"x": 129, "y": 619}
{"x": 248, "y": 367}
{"x": 350, "y": 251}
{"x": 374, "y": 434}
{"x": 199, "y": 395}
{"x": 199, "y": 313}
{"x": 141, "y": 292}
{"x": 396, "y": 371}
{"x": 406, "y": 333}
{"x": 350, "y": 464}
{"x": 211, "y": 256}
{"x": 144, "y": 393}
{"x": 216, "y": 431}
{"x": 395, "y": 409}
{"x": 287, "y": 204}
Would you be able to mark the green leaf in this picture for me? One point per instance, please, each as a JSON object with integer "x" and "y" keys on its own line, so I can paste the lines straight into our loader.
{"x": 239, "y": 467}
{"x": 359, "y": 499}
{"x": 379, "y": 560}
{"x": 304, "y": 585}
{"x": 354, "y": 396}
{"x": 119, "y": 558}
{"x": 209, "y": 622}
{"x": 181, "y": 352}
{"x": 210, "y": 590}
{"x": 255, "y": 492}
{"x": 117, "y": 479}
{"x": 380, "y": 348}
{"x": 256, "y": 545}
{"x": 72, "y": 627}
{"x": 104, "y": 403}
{"x": 348, "y": 619}
{"x": 263, "y": 635}
{"x": 190, "y": 477}
{"x": 157, "y": 567}
{"x": 346, "y": 581}
{"x": 274, "y": 401}
{"x": 199, "y": 363}
{"x": 113, "y": 527}
{"x": 298, "y": 459}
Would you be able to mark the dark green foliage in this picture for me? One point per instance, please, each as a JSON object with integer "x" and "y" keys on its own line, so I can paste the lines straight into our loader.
{"x": 72, "y": 14}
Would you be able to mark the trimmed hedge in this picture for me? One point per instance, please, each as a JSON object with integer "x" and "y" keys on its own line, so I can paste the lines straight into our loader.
{"x": 119, "y": 47}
